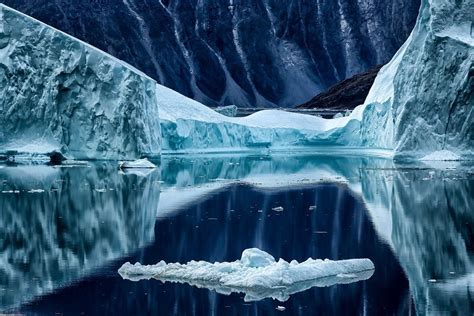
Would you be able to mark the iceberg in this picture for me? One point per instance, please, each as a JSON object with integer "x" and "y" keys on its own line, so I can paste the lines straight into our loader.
{"x": 257, "y": 274}
{"x": 189, "y": 126}
{"x": 60, "y": 94}
{"x": 422, "y": 101}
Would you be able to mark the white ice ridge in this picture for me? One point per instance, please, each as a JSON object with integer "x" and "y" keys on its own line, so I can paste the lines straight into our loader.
{"x": 187, "y": 126}
{"x": 256, "y": 274}
{"x": 59, "y": 93}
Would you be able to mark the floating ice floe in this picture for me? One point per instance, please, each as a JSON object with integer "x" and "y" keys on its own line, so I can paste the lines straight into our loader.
{"x": 256, "y": 274}
{"x": 137, "y": 164}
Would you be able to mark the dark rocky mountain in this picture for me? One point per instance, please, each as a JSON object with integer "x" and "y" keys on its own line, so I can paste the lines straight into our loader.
{"x": 345, "y": 95}
{"x": 243, "y": 52}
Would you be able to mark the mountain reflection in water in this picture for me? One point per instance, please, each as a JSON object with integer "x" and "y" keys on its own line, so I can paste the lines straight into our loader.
{"x": 413, "y": 221}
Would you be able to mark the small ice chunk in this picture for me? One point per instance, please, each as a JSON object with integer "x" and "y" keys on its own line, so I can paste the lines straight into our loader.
{"x": 36, "y": 191}
{"x": 256, "y": 258}
{"x": 278, "y": 209}
{"x": 137, "y": 164}
{"x": 313, "y": 207}
{"x": 281, "y": 308}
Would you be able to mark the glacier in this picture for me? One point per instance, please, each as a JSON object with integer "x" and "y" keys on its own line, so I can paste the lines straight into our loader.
{"x": 421, "y": 102}
{"x": 60, "y": 94}
{"x": 256, "y": 274}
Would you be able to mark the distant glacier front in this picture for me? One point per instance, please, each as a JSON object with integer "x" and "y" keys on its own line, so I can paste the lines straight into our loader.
{"x": 60, "y": 94}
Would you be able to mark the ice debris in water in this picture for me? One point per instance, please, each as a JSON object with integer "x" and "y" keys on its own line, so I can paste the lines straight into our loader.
{"x": 442, "y": 155}
{"x": 278, "y": 209}
{"x": 257, "y": 274}
{"x": 137, "y": 164}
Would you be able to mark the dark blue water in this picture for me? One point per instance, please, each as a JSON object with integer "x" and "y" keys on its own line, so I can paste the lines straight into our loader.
{"x": 63, "y": 247}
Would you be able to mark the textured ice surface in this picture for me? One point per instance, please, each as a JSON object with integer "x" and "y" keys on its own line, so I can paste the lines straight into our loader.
{"x": 442, "y": 155}
{"x": 229, "y": 110}
{"x": 187, "y": 125}
{"x": 256, "y": 274}
{"x": 423, "y": 100}
{"x": 58, "y": 93}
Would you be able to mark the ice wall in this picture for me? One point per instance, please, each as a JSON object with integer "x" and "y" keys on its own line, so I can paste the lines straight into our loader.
{"x": 423, "y": 100}
{"x": 58, "y": 93}
{"x": 187, "y": 126}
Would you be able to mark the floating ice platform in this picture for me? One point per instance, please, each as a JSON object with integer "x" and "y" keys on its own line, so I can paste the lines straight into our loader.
{"x": 257, "y": 274}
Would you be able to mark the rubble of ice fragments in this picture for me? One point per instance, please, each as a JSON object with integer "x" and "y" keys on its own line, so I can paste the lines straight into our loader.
{"x": 60, "y": 94}
{"x": 257, "y": 274}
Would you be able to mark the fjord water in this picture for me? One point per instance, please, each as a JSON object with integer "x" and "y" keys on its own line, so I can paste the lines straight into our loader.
{"x": 66, "y": 231}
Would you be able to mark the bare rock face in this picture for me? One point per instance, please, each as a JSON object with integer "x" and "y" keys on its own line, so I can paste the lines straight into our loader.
{"x": 345, "y": 95}
{"x": 255, "y": 53}
{"x": 60, "y": 94}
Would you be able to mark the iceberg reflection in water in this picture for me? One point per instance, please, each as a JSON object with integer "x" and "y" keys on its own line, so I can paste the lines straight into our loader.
{"x": 59, "y": 224}
{"x": 413, "y": 221}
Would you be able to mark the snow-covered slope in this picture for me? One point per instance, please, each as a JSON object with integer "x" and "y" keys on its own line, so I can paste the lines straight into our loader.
{"x": 187, "y": 125}
{"x": 58, "y": 93}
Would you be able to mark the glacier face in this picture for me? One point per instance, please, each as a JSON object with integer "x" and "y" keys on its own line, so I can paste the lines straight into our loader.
{"x": 189, "y": 126}
{"x": 248, "y": 53}
{"x": 423, "y": 100}
{"x": 57, "y": 93}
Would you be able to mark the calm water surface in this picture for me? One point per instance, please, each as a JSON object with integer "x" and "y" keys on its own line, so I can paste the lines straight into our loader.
{"x": 64, "y": 232}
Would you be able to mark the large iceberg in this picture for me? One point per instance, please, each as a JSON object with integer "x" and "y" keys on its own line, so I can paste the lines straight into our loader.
{"x": 256, "y": 274}
{"x": 423, "y": 101}
{"x": 60, "y": 94}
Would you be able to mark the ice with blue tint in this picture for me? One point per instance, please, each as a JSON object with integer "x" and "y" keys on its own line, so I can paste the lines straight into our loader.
{"x": 60, "y": 94}
{"x": 257, "y": 274}
{"x": 421, "y": 103}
